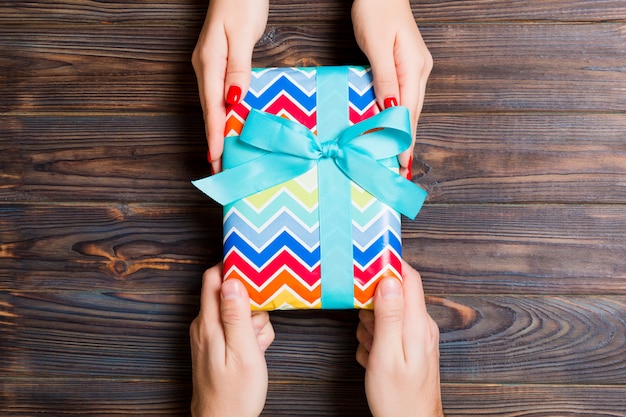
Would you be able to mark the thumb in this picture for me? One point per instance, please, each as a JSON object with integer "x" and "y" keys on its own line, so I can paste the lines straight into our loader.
{"x": 388, "y": 316}
{"x": 236, "y": 318}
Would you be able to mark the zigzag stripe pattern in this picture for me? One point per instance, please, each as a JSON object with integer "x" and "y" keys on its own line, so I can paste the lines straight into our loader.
{"x": 271, "y": 239}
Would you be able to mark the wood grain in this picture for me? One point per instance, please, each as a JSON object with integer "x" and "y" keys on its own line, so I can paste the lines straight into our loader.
{"x": 505, "y": 249}
{"x": 301, "y": 12}
{"x": 521, "y": 243}
{"x": 485, "y": 339}
{"x": 513, "y": 67}
{"x": 50, "y": 248}
{"x": 97, "y": 398}
{"x": 137, "y": 397}
{"x": 459, "y": 158}
{"x": 118, "y": 158}
{"x": 522, "y": 158}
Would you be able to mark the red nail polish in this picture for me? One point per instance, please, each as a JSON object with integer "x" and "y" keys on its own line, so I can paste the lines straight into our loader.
{"x": 409, "y": 174}
{"x": 390, "y": 102}
{"x": 234, "y": 94}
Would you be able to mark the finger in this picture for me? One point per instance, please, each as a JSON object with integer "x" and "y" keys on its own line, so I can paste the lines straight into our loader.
{"x": 263, "y": 329}
{"x": 410, "y": 92}
{"x": 385, "y": 77}
{"x": 208, "y": 323}
{"x": 265, "y": 337}
{"x": 418, "y": 323}
{"x": 209, "y": 63}
{"x": 388, "y": 316}
{"x": 238, "y": 68}
{"x": 235, "y": 312}
{"x": 364, "y": 337}
{"x": 366, "y": 317}
{"x": 209, "y": 295}
{"x": 214, "y": 118}
{"x": 259, "y": 320}
{"x": 413, "y": 290}
{"x": 413, "y": 72}
{"x": 362, "y": 356}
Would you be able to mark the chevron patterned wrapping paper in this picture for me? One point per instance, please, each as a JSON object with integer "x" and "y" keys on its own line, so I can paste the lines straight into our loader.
{"x": 272, "y": 238}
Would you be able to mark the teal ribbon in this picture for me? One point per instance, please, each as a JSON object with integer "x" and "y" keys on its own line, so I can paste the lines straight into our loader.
{"x": 272, "y": 150}
{"x": 281, "y": 150}
{"x": 334, "y": 191}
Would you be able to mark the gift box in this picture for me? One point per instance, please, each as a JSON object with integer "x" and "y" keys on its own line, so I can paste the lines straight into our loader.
{"x": 310, "y": 187}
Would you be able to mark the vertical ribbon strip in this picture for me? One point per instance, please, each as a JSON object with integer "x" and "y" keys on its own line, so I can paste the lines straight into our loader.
{"x": 335, "y": 195}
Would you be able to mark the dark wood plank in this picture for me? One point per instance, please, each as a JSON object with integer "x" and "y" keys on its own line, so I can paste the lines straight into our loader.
{"x": 113, "y": 246}
{"x": 100, "y": 398}
{"x": 484, "y": 339}
{"x": 69, "y": 12}
{"x": 302, "y": 12}
{"x": 459, "y": 400}
{"x": 478, "y": 67}
{"x": 94, "y": 398}
{"x": 512, "y": 249}
{"x": 459, "y": 158}
{"x": 535, "y": 249}
{"x": 521, "y": 67}
{"x": 506, "y": 11}
{"x": 68, "y": 397}
{"x": 523, "y": 400}
{"x": 119, "y": 158}
{"x": 522, "y": 158}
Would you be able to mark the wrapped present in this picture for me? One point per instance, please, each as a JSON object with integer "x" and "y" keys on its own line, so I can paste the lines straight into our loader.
{"x": 311, "y": 191}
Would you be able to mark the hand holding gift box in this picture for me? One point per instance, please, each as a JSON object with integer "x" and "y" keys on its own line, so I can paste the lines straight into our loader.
{"x": 311, "y": 199}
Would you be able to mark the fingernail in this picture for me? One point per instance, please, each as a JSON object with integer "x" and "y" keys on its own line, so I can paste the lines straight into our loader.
{"x": 409, "y": 174}
{"x": 390, "y": 288}
{"x": 231, "y": 290}
{"x": 234, "y": 94}
{"x": 390, "y": 102}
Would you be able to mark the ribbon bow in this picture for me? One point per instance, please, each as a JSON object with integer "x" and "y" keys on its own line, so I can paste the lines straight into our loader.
{"x": 283, "y": 149}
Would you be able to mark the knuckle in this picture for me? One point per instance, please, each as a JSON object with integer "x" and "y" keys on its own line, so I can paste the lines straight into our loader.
{"x": 434, "y": 330}
{"x": 386, "y": 83}
{"x": 198, "y": 58}
{"x": 230, "y": 316}
{"x": 391, "y": 315}
{"x": 425, "y": 63}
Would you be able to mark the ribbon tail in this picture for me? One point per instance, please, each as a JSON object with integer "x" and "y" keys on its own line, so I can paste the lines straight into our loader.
{"x": 252, "y": 177}
{"x": 387, "y": 186}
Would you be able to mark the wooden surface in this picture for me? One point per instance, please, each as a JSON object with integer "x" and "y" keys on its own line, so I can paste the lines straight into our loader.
{"x": 522, "y": 243}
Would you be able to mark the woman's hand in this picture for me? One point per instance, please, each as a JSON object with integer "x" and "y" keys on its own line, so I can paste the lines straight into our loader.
{"x": 401, "y": 63}
{"x": 399, "y": 348}
{"x": 227, "y": 351}
{"x": 222, "y": 61}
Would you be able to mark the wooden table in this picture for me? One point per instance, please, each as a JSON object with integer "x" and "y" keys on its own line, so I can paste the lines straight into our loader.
{"x": 522, "y": 247}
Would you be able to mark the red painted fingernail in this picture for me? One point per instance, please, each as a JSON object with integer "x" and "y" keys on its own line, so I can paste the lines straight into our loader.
{"x": 409, "y": 174}
{"x": 390, "y": 102}
{"x": 234, "y": 94}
